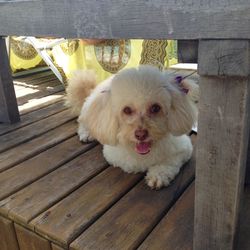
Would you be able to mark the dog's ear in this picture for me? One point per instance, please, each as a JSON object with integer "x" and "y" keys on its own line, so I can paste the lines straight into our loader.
{"x": 182, "y": 113}
{"x": 98, "y": 117}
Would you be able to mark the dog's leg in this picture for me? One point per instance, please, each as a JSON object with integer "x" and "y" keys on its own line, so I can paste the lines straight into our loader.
{"x": 83, "y": 134}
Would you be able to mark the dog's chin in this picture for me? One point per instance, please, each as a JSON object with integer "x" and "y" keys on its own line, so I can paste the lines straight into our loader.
{"x": 143, "y": 147}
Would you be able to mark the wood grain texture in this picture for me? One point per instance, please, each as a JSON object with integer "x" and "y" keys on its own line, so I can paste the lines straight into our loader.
{"x": 175, "y": 231}
{"x": 35, "y": 146}
{"x": 29, "y": 171}
{"x": 33, "y": 130}
{"x": 26, "y": 204}
{"x": 68, "y": 218}
{"x": 224, "y": 58}
{"x": 36, "y": 104}
{"x": 221, "y": 156}
{"x": 56, "y": 247}
{"x": 30, "y": 241}
{"x": 33, "y": 117}
{"x": 8, "y": 104}
{"x": 117, "y": 19}
{"x": 128, "y": 222}
{"x": 8, "y": 240}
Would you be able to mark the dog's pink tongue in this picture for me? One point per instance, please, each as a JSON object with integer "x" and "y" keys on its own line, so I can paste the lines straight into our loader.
{"x": 143, "y": 147}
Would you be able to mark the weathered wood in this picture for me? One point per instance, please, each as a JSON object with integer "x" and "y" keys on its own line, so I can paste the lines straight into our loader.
{"x": 30, "y": 241}
{"x": 129, "y": 221}
{"x": 33, "y": 117}
{"x": 56, "y": 247}
{"x": 29, "y": 171}
{"x": 187, "y": 51}
{"x": 8, "y": 105}
{"x": 44, "y": 101}
{"x": 221, "y": 145}
{"x": 8, "y": 239}
{"x": 192, "y": 19}
{"x": 224, "y": 58}
{"x": 32, "y": 147}
{"x": 26, "y": 204}
{"x": 33, "y": 130}
{"x": 68, "y": 218}
{"x": 175, "y": 231}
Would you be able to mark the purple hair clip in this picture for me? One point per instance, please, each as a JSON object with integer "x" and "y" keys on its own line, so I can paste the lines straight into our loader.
{"x": 178, "y": 81}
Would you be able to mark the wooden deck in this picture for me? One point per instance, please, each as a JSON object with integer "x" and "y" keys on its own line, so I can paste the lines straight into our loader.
{"x": 57, "y": 193}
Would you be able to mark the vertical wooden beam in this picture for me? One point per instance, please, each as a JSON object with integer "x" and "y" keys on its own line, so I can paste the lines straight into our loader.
{"x": 222, "y": 141}
{"x": 30, "y": 241}
{"x": 8, "y": 239}
{"x": 8, "y": 104}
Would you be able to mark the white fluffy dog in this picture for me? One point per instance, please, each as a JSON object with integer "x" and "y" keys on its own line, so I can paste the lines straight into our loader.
{"x": 141, "y": 116}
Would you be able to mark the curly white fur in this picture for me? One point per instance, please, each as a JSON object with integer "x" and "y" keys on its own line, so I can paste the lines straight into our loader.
{"x": 144, "y": 100}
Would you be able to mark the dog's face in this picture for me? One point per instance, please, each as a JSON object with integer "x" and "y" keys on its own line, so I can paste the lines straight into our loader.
{"x": 140, "y": 108}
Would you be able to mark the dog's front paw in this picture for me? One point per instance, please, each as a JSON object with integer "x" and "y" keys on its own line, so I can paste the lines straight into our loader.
{"x": 84, "y": 135}
{"x": 160, "y": 176}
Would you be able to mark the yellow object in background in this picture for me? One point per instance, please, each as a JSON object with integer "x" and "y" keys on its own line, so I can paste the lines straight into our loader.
{"x": 106, "y": 57}
{"x": 110, "y": 56}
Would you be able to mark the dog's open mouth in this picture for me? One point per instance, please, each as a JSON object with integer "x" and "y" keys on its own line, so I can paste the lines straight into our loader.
{"x": 143, "y": 147}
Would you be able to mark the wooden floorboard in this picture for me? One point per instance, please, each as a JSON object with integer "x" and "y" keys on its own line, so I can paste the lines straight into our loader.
{"x": 129, "y": 221}
{"x": 37, "y": 145}
{"x": 33, "y": 117}
{"x": 58, "y": 193}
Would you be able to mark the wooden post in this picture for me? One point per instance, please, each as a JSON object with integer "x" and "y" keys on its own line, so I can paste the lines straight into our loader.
{"x": 222, "y": 141}
{"x": 8, "y": 104}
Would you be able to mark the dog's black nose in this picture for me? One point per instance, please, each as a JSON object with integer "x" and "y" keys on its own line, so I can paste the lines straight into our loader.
{"x": 141, "y": 134}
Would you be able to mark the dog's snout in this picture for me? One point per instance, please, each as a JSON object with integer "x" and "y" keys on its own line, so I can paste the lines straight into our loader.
{"x": 141, "y": 134}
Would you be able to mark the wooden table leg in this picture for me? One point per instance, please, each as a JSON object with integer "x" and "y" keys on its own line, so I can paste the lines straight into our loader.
{"x": 223, "y": 133}
{"x": 8, "y": 104}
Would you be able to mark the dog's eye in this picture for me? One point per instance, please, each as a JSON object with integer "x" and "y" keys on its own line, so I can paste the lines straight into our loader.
{"x": 155, "y": 108}
{"x": 127, "y": 111}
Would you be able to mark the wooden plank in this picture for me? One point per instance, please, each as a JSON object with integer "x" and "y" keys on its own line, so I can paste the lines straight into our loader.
{"x": 221, "y": 147}
{"x": 26, "y": 204}
{"x": 227, "y": 58}
{"x": 225, "y": 19}
{"x": 29, "y": 92}
{"x": 31, "y": 170}
{"x": 8, "y": 105}
{"x": 42, "y": 93}
{"x": 34, "y": 130}
{"x": 68, "y": 218}
{"x": 187, "y": 51}
{"x": 30, "y": 74}
{"x": 129, "y": 221}
{"x": 32, "y": 147}
{"x": 56, "y": 247}
{"x": 33, "y": 117}
{"x": 36, "y": 104}
{"x": 175, "y": 231}
{"x": 8, "y": 235}
{"x": 30, "y": 241}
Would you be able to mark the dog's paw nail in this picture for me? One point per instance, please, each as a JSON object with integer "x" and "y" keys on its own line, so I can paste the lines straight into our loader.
{"x": 154, "y": 183}
{"x": 86, "y": 138}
